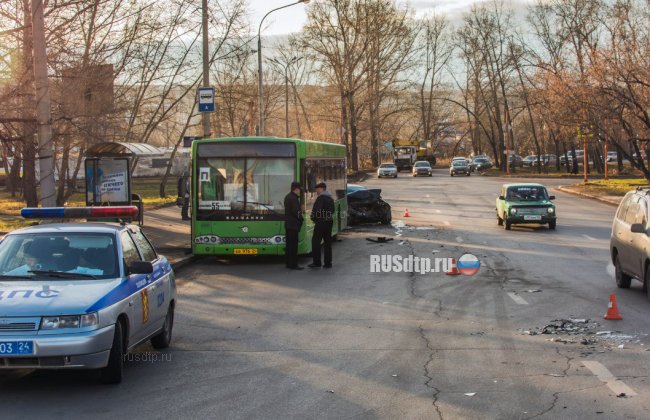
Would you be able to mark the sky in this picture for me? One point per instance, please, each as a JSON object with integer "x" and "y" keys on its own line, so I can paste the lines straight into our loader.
{"x": 292, "y": 19}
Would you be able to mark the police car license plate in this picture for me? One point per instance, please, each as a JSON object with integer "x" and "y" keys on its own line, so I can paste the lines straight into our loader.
{"x": 16, "y": 347}
{"x": 245, "y": 251}
{"x": 532, "y": 217}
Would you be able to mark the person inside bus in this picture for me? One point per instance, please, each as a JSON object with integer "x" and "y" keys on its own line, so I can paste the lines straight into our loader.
{"x": 292, "y": 223}
{"x": 322, "y": 214}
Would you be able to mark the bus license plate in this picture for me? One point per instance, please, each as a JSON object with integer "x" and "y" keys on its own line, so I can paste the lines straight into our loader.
{"x": 245, "y": 251}
{"x": 16, "y": 347}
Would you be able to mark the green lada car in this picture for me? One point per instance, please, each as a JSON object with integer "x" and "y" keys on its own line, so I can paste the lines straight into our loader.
{"x": 524, "y": 204}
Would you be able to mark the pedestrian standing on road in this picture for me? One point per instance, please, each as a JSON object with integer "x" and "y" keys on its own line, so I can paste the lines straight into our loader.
{"x": 184, "y": 195}
{"x": 322, "y": 214}
{"x": 292, "y": 224}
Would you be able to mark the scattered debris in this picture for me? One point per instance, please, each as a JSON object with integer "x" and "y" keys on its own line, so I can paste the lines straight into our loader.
{"x": 470, "y": 394}
{"x": 425, "y": 228}
{"x": 394, "y": 376}
{"x": 579, "y": 321}
{"x": 533, "y": 291}
{"x": 560, "y": 340}
{"x": 477, "y": 333}
{"x": 603, "y": 332}
{"x": 568, "y": 326}
{"x": 331, "y": 391}
{"x": 402, "y": 242}
{"x": 622, "y": 395}
{"x": 620, "y": 346}
{"x": 588, "y": 341}
{"x": 555, "y": 375}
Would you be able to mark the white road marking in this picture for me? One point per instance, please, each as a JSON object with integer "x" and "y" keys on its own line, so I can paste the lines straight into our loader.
{"x": 518, "y": 299}
{"x": 589, "y": 237}
{"x": 602, "y": 373}
{"x": 611, "y": 270}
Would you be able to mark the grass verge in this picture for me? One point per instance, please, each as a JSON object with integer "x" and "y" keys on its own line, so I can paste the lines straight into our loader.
{"x": 148, "y": 188}
{"x": 612, "y": 187}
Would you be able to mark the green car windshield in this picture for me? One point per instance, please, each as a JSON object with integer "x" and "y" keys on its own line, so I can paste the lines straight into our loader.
{"x": 527, "y": 193}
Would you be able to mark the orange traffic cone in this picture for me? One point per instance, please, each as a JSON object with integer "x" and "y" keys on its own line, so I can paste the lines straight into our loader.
{"x": 612, "y": 309}
{"x": 454, "y": 271}
{"x": 406, "y": 213}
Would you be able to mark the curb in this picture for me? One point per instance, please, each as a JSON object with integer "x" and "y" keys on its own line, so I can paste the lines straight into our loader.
{"x": 592, "y": 197}
{"x": 178, "y": 265}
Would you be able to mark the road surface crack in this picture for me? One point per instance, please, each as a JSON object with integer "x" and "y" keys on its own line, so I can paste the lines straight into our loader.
{"x": 556, "y": 395}
{"x": 427, "y": 374}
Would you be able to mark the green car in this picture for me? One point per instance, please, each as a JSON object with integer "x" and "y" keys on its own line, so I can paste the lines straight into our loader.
{"x": 525, "y": 203}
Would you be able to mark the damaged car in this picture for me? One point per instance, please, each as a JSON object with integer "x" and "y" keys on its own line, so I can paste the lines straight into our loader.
{"x": 367, "y": 206}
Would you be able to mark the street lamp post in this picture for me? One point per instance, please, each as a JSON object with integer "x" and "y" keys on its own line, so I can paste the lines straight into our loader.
{"x": 259, "y": 63}
{"x": 286, "y": 90}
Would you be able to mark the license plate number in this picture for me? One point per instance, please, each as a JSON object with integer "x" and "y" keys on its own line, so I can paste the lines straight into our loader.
{"x": 533, "y": 217}
{"x": 16, "y": 347}
{"x": 245, "y": 251}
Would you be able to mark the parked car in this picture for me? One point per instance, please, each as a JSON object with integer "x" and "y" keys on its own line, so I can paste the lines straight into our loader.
{"x": 387, "y": 169}
{"x": 82, "y": 295}
{"x": 580, "y": 157}
{"x": 367, "y": 206}
{"x": 459, "y": 166}
{"x": 481, "y": 163}
{"x": 629, "y": 243}
{"x": 546, "y": 160}
{"x": 612, "y": 156}
{"x": 422, "y": 167}
{"x": 516, "y": 161}
{"x": 528, "y": 160}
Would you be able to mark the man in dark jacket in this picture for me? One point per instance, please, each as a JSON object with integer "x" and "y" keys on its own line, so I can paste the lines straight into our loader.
{"x": 322, "y": 214}
{"x": 292, "y": 224}
{"x": 184, "y": 195}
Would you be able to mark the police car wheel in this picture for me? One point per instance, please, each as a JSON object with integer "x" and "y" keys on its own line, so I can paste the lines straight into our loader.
{"x": 163, "y": 339}
{"x": 112, "y": 373}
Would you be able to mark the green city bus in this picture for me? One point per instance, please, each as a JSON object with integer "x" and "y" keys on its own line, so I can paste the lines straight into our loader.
{"x": 238, "y": 190}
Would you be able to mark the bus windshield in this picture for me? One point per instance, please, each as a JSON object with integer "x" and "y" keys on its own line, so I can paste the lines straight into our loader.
{"x": 242, "y": 185}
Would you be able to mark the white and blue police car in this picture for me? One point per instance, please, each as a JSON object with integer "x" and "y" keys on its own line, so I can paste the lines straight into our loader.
{"x": 82, "y": 295}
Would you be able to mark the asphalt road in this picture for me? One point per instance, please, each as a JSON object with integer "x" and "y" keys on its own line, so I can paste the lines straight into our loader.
{"x": 253, "y": 340}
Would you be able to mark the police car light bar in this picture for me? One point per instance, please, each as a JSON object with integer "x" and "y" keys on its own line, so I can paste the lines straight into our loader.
{"x": 78, "y": 212}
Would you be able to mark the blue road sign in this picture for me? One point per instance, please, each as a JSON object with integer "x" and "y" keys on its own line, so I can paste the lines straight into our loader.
{"x": 206, "y": 99}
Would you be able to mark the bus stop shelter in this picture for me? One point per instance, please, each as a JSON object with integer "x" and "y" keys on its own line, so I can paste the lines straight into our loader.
{"x": 108, "y": 174}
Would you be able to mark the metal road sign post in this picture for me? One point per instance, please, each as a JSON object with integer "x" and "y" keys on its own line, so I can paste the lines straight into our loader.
{"x": 206, "y": 99}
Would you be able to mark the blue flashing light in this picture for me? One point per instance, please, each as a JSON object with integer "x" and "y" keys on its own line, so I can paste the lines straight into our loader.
{"x": 78, "y": 212}
{"x": 43, "y": 212}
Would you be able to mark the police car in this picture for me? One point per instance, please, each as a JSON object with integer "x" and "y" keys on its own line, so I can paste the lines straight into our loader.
{"x": 82, "y": 295}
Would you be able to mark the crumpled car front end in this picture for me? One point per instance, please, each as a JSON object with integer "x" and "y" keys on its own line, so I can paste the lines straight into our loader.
{"x": 367, "y": 206}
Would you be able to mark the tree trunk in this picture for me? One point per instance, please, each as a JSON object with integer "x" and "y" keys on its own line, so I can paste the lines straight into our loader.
{"x": 354, "y": 154}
